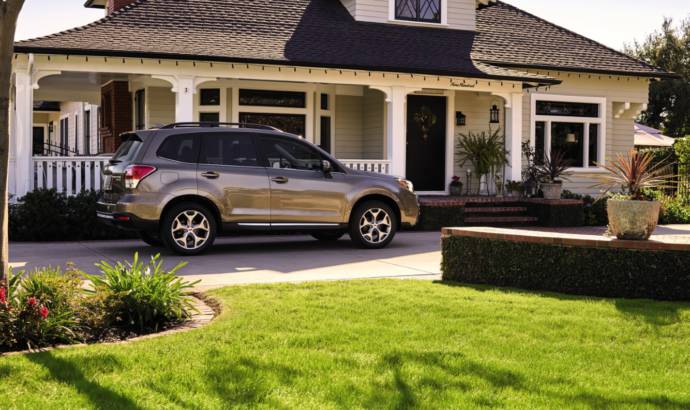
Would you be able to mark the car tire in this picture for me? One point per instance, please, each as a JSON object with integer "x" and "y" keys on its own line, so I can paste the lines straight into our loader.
{"x": 373, "y": 225}
{"x": 150, "y": 239}
{"x": 328, "y": 236}
{"x": 188, "y": 229}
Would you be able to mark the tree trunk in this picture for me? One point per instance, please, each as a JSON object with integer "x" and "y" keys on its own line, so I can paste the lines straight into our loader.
{"x": 9, "y": 11}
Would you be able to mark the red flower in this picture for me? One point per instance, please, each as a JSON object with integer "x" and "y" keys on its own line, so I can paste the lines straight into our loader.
{"x": 32, "y": 301}
{"x": 43, "y": 311}
{"x": 3, "y": 296}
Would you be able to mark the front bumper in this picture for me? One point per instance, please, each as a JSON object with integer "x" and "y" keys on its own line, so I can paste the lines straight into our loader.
{"x": 409, "y": 210}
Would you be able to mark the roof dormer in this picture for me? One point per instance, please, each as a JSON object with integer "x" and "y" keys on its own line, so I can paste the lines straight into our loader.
{"x": 109, "y": 5}
{"x": 454, "y": 14}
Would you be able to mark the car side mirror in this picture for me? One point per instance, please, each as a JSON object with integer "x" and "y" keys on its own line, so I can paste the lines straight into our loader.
{"x": 326, "y": 166}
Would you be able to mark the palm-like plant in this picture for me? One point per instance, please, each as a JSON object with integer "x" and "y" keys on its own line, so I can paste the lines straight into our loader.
{"x": 554, "y": 168}
{"x": 635, "y": 172}
{"x": 485, "y": 151}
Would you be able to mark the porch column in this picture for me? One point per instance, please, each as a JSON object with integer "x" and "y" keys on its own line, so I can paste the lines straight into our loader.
{"x": 396, "y": 136}
{"x": 184, "y": 90}
{"x": 23, "y": 132}
{"x": 514, "y": 136}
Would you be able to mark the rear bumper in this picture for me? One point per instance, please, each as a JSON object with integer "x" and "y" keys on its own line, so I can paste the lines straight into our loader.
{"x": 123, "y": 220}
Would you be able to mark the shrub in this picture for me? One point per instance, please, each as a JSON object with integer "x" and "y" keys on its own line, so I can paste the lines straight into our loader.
{"x": 592, "y": 271}
{"x": 595, "y": 208}
{"x": 143, "y": 297}
{"x": 674, "y": 210}
{"x": 433, "y": 218}
{"x": 46, "y": 215}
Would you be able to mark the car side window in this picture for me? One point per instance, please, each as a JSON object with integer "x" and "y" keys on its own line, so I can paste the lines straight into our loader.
{"x": 282, "y": 153}
{"x": 228, "y": 149}
{"x": 182, "y": 148}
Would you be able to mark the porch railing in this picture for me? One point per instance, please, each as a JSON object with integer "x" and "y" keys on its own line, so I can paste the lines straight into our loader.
{"x": 69, "y": 175}
{"x": 370, "y": 165}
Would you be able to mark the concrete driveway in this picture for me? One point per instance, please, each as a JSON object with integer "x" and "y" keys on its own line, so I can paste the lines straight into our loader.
{"x": 255, "y": 259}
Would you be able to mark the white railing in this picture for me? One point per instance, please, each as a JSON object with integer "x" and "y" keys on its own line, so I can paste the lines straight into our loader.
{"x": 380, "y": 166}
{"x": 69, "y": 175}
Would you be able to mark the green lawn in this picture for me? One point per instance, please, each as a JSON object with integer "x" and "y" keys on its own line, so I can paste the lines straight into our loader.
{"x": 388, "y": 343}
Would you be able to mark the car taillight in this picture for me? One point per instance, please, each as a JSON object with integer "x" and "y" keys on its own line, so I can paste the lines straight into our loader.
{"x": 134, "y": 174}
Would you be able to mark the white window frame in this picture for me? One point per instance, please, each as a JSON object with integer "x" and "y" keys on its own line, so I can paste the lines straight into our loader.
{"x": 587, "y": 121}
{"x": 444, "y": 16}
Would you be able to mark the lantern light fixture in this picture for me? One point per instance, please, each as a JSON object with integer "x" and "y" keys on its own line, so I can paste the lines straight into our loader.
{"x": 494, "y": 114}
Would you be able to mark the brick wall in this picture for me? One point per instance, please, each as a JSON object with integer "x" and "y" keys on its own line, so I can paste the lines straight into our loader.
{"x": 116, "y": 109}
{"x": 115, "y": 5}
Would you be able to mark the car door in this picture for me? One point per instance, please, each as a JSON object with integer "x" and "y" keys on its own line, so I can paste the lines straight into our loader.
{"x": 301, "y": 193}
{"x": 229, "y": 171}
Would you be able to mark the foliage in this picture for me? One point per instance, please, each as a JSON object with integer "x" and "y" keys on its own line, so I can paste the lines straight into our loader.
{"x": 592, "y": 271}
{"x": 554, "y": 168}
{"x": 485, "y": 151}
{"x": 147, "y": 297}
{"x": 433, "y": 218}
{"x": 530, "y": 171}
{"x": 633, "y": 173}
{"x": 594, "y": 209}
{"x": 682, "y": 153}
{"x": 514, "y": 186}
{"x": 46, "y": 215}
{"x": 41, "y": 308}
{"x": 669, "y": 103}
{"x": 338, "y": 345}
{"x": 674, "y": 210}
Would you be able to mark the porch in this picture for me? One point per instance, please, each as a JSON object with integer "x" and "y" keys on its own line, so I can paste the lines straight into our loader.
{"x": 370, "y": 121}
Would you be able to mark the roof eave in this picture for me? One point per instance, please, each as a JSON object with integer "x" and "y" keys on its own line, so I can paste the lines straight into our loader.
{"x": 659, "y": 74}
{"x": 186, "y": 57}
{"x": 90, "y": 4}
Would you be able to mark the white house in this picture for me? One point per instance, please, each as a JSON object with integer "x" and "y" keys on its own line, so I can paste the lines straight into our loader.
{"x": 385, "y": 85}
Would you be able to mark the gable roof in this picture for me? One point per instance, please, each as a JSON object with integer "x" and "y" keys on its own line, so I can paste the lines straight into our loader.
{"x": 321, "y": 33}
{"x": 510, "y": 37}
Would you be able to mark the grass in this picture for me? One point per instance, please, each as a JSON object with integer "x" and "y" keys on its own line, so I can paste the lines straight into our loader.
{"x": 382, "y": 344}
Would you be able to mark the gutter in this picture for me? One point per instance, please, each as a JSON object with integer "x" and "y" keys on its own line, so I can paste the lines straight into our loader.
{"x": 659, "y": 74}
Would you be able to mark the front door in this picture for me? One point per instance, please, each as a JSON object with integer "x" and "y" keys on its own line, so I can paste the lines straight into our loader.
{"x": 39, "y": 140}
{"x": 426, "y": 142}
{"x": 301, "y": 194}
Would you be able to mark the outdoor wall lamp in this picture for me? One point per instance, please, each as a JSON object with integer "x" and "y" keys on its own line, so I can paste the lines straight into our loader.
{"x": 460, "y": 118}
{"x": 494, "y": 114}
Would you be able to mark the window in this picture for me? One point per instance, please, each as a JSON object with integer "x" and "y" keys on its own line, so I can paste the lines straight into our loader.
{"x": 324, "y": 102}
{"x": 571, "y": 127}
{"x": 209, "y": 96}
{"x": 182, "y": 148}
{"x": 290, "y": 154}
{"x": 426, "y": 11}
{"x": 291, "y": 123}
{"x": 87, "y": 132}
{"x": 209, "y": 117}
{"x": 228, "y": 149}
{"x": 64, "y": 135}
{"x": 140, "y": 110}
{"x": 269, "y": 98}
{"x": 326, "y": 134}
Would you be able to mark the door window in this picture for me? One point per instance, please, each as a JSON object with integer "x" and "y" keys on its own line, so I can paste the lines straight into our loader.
{"x": 290, "y": 154}
{"x": 228, "y": 149}
{"x": 182, "y": 148}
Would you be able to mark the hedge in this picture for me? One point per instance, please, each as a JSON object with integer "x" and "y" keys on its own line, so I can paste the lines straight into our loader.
{"x": 433, "y": 218}
{"x": 46, "y": 215}
{"x": 601, "y": 272}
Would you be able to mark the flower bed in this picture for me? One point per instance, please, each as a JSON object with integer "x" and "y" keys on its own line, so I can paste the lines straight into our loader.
{"x": 583, "y": 265}
{"x": 50, "y": 307}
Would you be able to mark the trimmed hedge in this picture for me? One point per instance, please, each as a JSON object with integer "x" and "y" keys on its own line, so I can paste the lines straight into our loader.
{"x": 46, "y": 215}
{"x": 602, "y": 272}
{"x": 434, "y": 218}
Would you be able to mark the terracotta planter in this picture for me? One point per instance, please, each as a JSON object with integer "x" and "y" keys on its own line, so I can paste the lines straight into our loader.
{"x": 552, "y": 191}
{"x": 633, "y": 220}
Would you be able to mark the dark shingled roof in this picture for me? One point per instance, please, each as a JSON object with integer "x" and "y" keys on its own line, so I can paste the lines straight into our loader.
{"x": 322, "y": 33}
{"x": 511, "y": 37}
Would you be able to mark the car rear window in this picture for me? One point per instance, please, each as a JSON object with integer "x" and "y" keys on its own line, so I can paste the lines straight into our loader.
{"x": 128, "y": 149}
{"x": 182, "y": 148}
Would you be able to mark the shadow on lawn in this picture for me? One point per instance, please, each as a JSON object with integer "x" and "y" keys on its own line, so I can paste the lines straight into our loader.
{"x": 68, "y": 373}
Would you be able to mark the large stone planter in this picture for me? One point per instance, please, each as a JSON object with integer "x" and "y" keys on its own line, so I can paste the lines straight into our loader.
{"x": 633, "y": 220}
{"x": 552, "y": 191}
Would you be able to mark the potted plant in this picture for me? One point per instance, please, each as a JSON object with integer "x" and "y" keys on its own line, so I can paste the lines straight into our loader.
{"x": 632, "y": 215}
{"x": 485, "y": 151}
{"x": 514, "y": 188}
{"x": 530, "y": 173}
{"x": 455, "y": 186}
{"x": 552, "y": 172}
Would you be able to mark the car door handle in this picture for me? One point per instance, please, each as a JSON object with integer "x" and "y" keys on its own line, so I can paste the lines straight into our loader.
{"x": 210, "y": 175}
{"x": 280, "y": 180}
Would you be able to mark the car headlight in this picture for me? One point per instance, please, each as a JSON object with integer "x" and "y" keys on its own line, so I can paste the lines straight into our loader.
{"x": 405, "y": 184}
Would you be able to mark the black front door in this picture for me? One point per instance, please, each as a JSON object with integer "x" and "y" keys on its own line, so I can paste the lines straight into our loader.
{"x": 39, "y": 140}
{"x": 426, "y": 142}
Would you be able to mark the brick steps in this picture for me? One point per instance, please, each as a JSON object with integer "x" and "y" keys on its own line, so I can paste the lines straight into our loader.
{"x": 501, "y": 220}
{"x": 498, "y": 214}
{"x": 496, "y": 210}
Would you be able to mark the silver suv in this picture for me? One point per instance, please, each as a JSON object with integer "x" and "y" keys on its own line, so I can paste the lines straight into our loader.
{"x": 184, "y": 184}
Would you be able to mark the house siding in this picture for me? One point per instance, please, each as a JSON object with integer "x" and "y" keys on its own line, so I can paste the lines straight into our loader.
{"x": 373, "y": 124}
{"x": 160, "y": 103}
{"x": 461, "y": 13}
{"x": 619, "y": 131}
{"x": 348, "y": 127}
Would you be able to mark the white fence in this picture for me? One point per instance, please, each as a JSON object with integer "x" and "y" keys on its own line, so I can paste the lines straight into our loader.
{"x": 369, "y": 165}
{"x": 69, "y": 175}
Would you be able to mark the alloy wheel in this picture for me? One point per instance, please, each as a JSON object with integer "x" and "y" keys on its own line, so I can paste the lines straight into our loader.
{"x": 375, "y": 225}
{"x": 191, "y": 230}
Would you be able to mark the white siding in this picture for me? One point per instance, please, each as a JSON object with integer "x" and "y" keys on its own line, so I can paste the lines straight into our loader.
{"x": 461, "y": 13}
{"x": 348, "y": 127}
{"x": 373, "y": 125}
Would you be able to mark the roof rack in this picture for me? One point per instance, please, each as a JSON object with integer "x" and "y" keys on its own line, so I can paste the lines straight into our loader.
{"x": 211, "y": 124}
